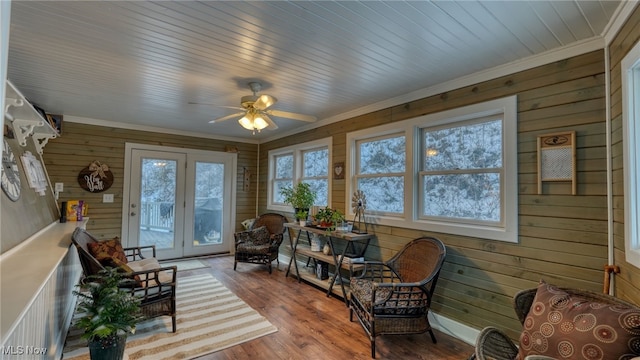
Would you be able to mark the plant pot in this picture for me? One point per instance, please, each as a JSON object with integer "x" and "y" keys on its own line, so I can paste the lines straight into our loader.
{"x": 110, "y": 348}
{"x": 316, "y": 243}
{"x": 303, "y": 223}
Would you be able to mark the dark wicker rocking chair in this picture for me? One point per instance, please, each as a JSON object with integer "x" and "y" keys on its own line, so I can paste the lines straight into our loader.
{"x": 394, "y": 297}
{"x": 260, "y": 245}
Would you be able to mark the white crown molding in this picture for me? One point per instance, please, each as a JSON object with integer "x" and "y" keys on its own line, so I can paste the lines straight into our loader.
{"x": 618, "y": 19}
{"x": 120, "y": 125}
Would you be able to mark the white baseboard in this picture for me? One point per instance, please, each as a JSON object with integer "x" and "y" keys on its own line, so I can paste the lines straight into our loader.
{"x": 438, "y": 322}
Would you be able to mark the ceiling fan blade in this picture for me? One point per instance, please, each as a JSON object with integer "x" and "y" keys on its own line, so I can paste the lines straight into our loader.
{"x": 226, "y": 117}
{"x": 264, "y": 101}
{"x": 290, "y": 115}
{"x": 272, "y": 125}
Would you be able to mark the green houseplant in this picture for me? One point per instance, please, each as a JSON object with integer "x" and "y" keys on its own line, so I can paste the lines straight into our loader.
{"x": 300, "y": 197}
{"x": 328, "y": 217}
{"x": 110, "y": 313}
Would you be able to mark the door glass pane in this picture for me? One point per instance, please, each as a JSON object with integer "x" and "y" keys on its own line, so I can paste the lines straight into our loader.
{"x": 157, "y": 203}
{"x": 208, "y": 204}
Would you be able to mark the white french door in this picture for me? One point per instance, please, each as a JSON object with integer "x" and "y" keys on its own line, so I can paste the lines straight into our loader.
{"x": 179, "y": 200}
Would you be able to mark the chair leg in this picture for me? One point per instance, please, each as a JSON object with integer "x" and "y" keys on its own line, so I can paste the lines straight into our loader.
{"x": 269, "y": 268}
{"x": 373, "y": 348}
{"x": 433, "y": 337}
{"x": 173, "y": 322}
{"x": 235, "y": 263}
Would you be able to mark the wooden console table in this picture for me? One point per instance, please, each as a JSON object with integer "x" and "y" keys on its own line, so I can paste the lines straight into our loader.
{"x": 355, "y": 246}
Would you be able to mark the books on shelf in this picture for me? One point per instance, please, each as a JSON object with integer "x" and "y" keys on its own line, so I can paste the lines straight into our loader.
{"x": 349, "y": 260}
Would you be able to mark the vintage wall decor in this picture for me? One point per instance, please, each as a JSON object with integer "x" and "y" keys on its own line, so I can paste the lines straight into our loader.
{"x": 34, "y": 171}
{"x": 557, "y": 159}
{"x": 10, "y": 173}
{"x": 338, "y": 170}
{"x": 96, "y": 177}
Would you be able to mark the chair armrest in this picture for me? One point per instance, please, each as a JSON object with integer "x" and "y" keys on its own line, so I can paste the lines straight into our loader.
{"x": 135, "y": 253}
{"x": 276, "y": 240}
{"x": 375, "y": 271}
{"x": 494, "y": 344}
{"x": 146, "y": 284}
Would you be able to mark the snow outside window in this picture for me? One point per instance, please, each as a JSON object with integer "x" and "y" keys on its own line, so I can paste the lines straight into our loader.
{"x": 306, "y": 162}
{"x": 381, "y": 173}
{"x": 283, "y": 175}
{"x": 453, "y": 172}
{"x": 462, "y": 171}
{"x": 315, "y": 172}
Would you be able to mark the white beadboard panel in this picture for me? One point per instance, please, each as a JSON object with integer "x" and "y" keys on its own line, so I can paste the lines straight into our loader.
{"x": 145, "y": 63}
{"x": 41, "y": 330}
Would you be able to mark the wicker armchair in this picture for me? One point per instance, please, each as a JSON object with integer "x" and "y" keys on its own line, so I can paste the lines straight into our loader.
{"x": 492, "y": 343}
{"x": 153, "y": 284}
{"x": 394, "y": 297}
{"x": 260, "y": 244}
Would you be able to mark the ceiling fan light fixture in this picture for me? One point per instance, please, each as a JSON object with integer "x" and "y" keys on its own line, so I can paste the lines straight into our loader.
{"x": 252, "y": 122}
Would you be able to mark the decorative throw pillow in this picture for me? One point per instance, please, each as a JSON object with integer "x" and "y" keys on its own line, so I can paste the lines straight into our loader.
{"x": 565, "y": 326}
{"x": 107, "y": 250}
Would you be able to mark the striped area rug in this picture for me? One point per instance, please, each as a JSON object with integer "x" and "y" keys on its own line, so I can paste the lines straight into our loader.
{"x": 209, "y": 317}
{"x": 185, "y": 264}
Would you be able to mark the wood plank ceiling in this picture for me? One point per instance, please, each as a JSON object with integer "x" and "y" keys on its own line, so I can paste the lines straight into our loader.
{"x": 142, "y": 63}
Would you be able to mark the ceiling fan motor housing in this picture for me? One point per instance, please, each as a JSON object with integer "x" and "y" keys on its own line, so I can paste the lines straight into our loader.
{"x": 248, "y": 101}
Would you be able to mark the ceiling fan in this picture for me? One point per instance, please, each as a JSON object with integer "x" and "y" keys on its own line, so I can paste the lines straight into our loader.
{"x": 255, "y": 111}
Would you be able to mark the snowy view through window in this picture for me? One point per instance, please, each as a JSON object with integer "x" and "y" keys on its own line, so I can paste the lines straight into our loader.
{"x": 461, "y": 173}
{"x": 381, "y": 171}
{"x": 315, "y": 172}
{"x": 283, "y": 177}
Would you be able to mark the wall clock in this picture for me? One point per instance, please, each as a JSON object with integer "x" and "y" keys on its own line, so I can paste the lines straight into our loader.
{"x": 10, "y": 173}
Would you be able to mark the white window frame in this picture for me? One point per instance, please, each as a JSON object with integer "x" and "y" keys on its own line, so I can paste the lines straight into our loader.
{"x": 630, "y": 68}
{"x": 357, "y": 175}
{"x": 507, "y": 231}
{"x": 297, "y": 151}
{"x": 272, "y": 172}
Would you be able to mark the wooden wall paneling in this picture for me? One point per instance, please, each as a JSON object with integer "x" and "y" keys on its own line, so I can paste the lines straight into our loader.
{"x": 480, "y": 276}
{"x": 67, "y": 155}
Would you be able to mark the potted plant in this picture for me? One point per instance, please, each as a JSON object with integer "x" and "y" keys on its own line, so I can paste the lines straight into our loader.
{"x": 328, "y": 218}
{"x": 110, "y": 313}
{"x": 301, "y": 216}
{"x": 300, "y": 197}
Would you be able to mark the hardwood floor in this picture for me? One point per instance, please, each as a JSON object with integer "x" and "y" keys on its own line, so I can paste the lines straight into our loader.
{"x": 310, "y": 324}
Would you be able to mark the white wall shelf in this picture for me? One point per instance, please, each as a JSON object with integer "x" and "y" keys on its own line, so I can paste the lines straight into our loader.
{"x": 26, "y": 120}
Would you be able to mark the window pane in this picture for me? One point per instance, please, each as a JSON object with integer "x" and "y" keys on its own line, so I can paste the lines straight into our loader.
{"x": 462, "y": 196}
{"x": 284, "y": 167}
{"x": 278, "y": 185}
{"x": 477, "y": 146}
{"x": 208, "y": 205}
{"x": 316, "y": 163}
{"x": 384, "y": 194}
{"x": 321, "y": 188}
{"x": 382, "y": 156}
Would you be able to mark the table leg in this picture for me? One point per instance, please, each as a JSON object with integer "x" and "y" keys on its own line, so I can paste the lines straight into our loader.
{"x": 294, "y": 245}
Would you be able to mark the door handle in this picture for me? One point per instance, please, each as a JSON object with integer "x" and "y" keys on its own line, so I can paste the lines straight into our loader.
{"x": 133, "y": 213}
